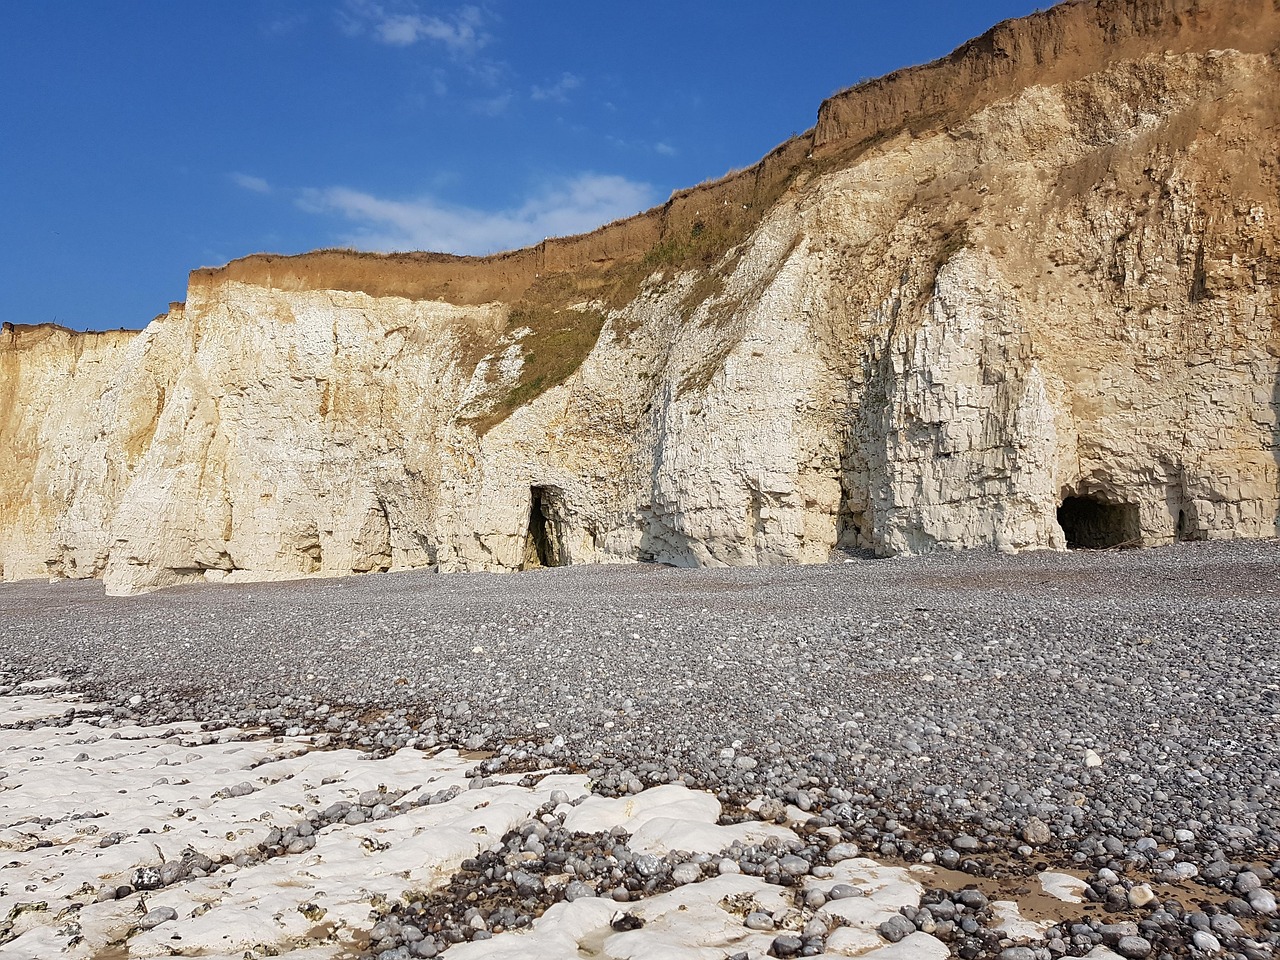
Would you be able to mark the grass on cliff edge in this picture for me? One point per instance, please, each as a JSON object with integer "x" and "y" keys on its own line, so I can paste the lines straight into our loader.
{"x": 562, "y": 336}
{"x": 696, "y": 240}
{"x": 560, "y": 340}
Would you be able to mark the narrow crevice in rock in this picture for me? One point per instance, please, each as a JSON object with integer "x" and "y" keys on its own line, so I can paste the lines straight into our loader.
{"x": 545, "y": 539}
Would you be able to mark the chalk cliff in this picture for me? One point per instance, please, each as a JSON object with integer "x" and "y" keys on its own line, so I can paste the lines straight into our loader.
{"x": 1023, "y": 295}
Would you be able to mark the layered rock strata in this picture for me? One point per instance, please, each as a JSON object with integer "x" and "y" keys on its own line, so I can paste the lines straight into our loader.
{"x": 1020, "y": 297}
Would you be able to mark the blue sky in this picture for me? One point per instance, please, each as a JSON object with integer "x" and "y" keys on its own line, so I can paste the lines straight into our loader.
{"x": 141, "y": 139}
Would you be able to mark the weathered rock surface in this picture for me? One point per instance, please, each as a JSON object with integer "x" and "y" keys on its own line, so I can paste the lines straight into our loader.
{"x": 1022, "y": 296}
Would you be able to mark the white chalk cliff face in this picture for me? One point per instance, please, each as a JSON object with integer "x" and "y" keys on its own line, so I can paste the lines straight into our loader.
{"x": 1050, "y": 316}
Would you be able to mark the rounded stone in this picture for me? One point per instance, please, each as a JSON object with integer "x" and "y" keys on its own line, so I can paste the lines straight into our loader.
{"x": 1263, "y": 902}
{"x": 648, "y": 864}
{"x": 896, "y": 928}
{"x": 1226, "y": 925}
{"x": 1134, "y": 948}
{"x": 686, "y": 873}
{"x": 153, "y": 918}
{"x": 815, "y": 929}
{"x": 1247, "y": 881}
{"x": 973, "y": 899}
{"x": 1206, "y": 942}
{"x": 843, "y": 851}
{"x": 1141, "y": 896}
{"x": 793, "y": 865}
{"x": 1037, "y": 832}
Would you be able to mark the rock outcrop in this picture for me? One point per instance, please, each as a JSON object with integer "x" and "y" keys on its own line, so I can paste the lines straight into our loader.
{"x": 1020, "y": 297}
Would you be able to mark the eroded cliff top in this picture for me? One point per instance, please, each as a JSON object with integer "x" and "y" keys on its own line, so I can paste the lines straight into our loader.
{"x": 25, "y": 336}
{"x": 696, "y": 226}
{"x": 1069, "y": 41}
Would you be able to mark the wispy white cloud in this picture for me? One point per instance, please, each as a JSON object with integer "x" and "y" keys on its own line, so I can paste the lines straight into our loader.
{"x": 558, "y": 91}
{"x": 557, "y": 209}
{"x": 284, "y": 25}
{"x": 402, "y": 24}
{"x": 491, "y": 106}
{"x": 248, "y": 182}
{"x": 661, "y": 147}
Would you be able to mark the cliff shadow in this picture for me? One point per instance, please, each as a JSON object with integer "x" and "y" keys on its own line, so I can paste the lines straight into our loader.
{"x": 1091, "y": 523}
{"x": 854, "y": 533}
{"x": 546, "y": 534}
{"x": 1275, "y": 445}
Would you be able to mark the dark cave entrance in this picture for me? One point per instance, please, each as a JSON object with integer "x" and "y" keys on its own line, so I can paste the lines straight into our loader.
{"x": 544, "y": 542}
{"x": 1093, "y": 524}
{"x": 1188, "y": 527}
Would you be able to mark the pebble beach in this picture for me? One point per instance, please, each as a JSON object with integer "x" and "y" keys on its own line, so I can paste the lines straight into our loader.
{"x": 972, "y": 755}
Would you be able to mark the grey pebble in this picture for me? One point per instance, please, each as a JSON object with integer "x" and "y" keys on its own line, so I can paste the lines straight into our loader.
{"x": 786, "y": 945}
{"x": 896, "y": 928}
{"x": 1263, "y": 902}
{"x": 1030, "y": 670}
{"x": 686, "y": 873}
{"x": 793, "y": 865}
{"x": 843, "y": 891}
{"x": 1134, "y": 948}
{"x": 843, "y": 851}
{"x": 1037, "y": 832}
{"x": 1247, "y": 881}
{"x": 156, "y": 916}
{"x": 1206, "y": 942}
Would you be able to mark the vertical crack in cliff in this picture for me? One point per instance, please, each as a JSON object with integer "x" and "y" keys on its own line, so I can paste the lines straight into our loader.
{"x": 545, "y": 539}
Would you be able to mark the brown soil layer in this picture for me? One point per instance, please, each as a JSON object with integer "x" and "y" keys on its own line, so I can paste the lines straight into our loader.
{"x": 1067, "y": 42}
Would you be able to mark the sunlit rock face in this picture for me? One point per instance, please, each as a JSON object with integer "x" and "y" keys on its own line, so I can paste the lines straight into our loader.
{"x": 1021, "y": 298}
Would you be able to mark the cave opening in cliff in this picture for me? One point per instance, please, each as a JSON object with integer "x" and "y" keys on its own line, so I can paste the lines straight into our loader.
{"x": 1188, "y": 527}
{"x": 544, "y": 542}
{"x": 1093, "y": 524}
